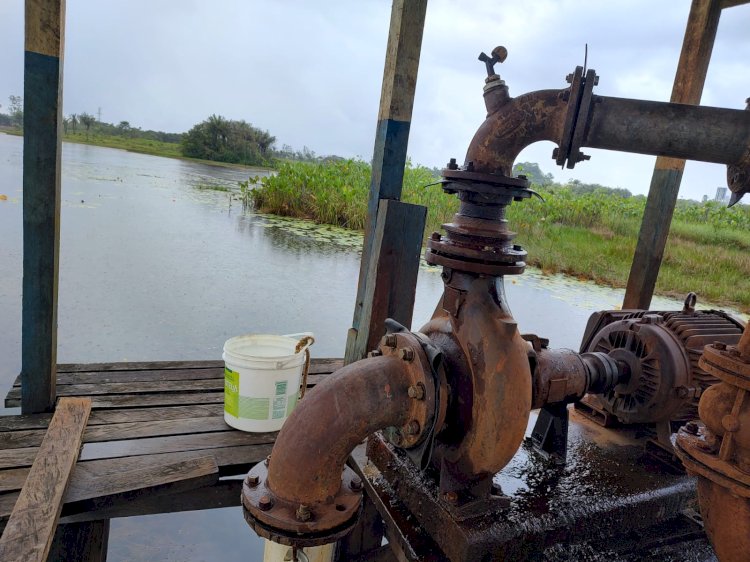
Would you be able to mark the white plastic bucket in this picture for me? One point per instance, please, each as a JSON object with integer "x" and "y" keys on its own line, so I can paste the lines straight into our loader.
{"x": 262, "y": 379}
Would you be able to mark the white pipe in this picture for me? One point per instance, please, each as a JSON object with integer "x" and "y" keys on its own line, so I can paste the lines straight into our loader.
{"x": 274, "y": 552}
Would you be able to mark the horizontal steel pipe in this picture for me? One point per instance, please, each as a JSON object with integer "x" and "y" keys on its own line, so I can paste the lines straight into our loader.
{"x": 692, "y": 132}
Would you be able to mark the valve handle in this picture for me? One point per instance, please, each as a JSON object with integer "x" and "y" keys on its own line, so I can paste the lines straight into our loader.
{"x": 499, "y": 54}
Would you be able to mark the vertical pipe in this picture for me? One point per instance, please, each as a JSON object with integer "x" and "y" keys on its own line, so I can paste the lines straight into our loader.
{"x": 43, "y": 78}
{"x": 391, "y": 139}
{"x": 700, "y": 33}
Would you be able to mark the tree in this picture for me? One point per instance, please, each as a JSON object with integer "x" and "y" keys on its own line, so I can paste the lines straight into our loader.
{"x": 534, "y": 173}
{"x": 86, "y": 120}
{"x": 226, "y": 140}
{"x": 15, "y": 109}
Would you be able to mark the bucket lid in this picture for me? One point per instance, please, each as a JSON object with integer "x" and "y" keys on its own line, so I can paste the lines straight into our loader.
{"x": 268, "y": 347}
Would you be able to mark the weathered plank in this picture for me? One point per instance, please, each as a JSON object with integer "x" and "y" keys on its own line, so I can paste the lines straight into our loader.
{"x": 144, "y": 400}
{"x": 12, "y": 458}
{"x": 318, "y": 365}
{"x": 392, "y": 275}
{"x": 126, "y": 430}
{"x": 175, "y": 443}
{"x": 94, "y": 493}
{"x": 391, "y": 138}
{"x": 703, "y": 21}
{"x": 226, "y": 493}
{"x": 31, "y": 526}
{"x": 230, "y": 461}
{"x": 24, "y": 421}
{"x": 42, "y": 142}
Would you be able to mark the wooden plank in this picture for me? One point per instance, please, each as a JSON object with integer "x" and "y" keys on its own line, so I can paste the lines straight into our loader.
{"x": 91, "y": 494}
{"x": 42, "y": 142}
{"x": 392, "y": 275}
{"x": 732, "y": 3}
{"x": 318, "y": 364}
{"x": 700, "y": 33}
{"x": 13, "y": 458}
{"x": 161, "y": 399}
{"x": 24, "y": 421}
{"x": 230, "y": 461}
{"x": 391, "y": 138}
{"x": 226, "y": 493}
{"x": 31, "y": 526}
{"x": 126, "y": 430}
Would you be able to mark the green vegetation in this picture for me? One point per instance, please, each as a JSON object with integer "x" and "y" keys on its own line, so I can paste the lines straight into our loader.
{"x": 581, "y": 230}
{"x": 225, "y": 140}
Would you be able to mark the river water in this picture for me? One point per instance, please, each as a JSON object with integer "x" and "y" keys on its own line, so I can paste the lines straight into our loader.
{"x": 158, "y": 263}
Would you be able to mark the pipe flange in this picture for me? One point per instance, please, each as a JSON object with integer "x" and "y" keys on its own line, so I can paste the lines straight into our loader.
{"x": 727, "y": 364}
{"x": 696, "y": 447}
{"x": 292, "y": 524}
{"x": 418, "y": 371}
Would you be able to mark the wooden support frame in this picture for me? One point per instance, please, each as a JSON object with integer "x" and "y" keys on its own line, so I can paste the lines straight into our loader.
{"x": 42, "y": 143}
{"x": 700, "y": 34}
{"x": 389, "y": 160}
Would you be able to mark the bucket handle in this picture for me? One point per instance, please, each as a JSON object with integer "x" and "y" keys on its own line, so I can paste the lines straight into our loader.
{"x": 306, "y": 339}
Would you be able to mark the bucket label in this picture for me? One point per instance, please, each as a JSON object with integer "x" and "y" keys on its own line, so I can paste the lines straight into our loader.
{"x": 279, "y": 407}
{"x": 281, "y": 388}
{"x": 253, "y": 408}
{"x": 231, "y": 392}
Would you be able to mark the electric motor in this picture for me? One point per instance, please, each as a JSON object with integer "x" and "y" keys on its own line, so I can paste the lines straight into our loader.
{"x": 660, "y": 352}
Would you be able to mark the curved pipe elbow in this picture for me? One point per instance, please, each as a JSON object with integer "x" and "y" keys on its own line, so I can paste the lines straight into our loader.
{"x": 334, "y": 417}
{"x": 516, "y": 124}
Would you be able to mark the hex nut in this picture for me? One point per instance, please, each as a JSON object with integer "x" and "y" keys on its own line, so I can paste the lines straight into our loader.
{"x": 390, "y": 340}
{"x": 407, "y": 354}
{"x": 265, "y": 503}
{"x": 252, "y": 480}
{"x": 356, "y": 484}
{"x": 412, "y": 428}
{"x": 691, "y": 427}
{"x": 416, "y": 391}
{"x": 303, "y": 513}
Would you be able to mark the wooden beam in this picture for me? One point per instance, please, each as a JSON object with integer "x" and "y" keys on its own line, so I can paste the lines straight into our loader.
{"x": 700, "y": 33}
{"x": 391, "y": 140}
{"x": 392, "y": 275}
{"x": 733, "y": 3}
{"x": 42, "y": 141}
{"x": 31, "y": 526}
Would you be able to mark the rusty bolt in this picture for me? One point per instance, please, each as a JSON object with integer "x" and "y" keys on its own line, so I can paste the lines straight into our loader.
{"x": 451, "y": 497}
{"x": 375, "y": 353}
{"x": 406, "y": 353}
{"x": 580, "y": 157}
{"x": 268, "y": 459}
{"x": 390, "y": 340}
{"x": 356, "y": 484}
{"x": 692, "y": 428}
{"x": 435, "y": 236}
{"x": 720, "y": 345}
{"x": 412, "y": 428}
{"x": 416, "y": 391}
{"x": 303, "y": 513}
{"x": 452, "y": 164}
{"x": 523, "y": 177}
{"x": 470, "y": 167}
{"x": 569, "y": 78}
{"x": 252, "y": 480}
{"x": 265, "y": 503}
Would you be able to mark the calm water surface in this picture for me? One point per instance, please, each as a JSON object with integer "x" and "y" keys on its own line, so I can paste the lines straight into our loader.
{"x": 156, "y": 266}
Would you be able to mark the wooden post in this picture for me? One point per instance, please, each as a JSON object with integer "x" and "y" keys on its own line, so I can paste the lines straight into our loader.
{"x": 665, "y": 182}
{"x": 42, "y": 123}
{"x": 389, "y": 159}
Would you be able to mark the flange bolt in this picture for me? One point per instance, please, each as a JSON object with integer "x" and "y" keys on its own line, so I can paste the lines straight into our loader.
{"x": 720, "y": 345}
{"x": 265, "y": 503}
{"x": 268, "y": 459}
{"x": 303, "y": 513}
{"x": 356, "y": 484}
{"x": 412, "y": 428}
{"x": 406, "y": 354}
{"x": 452, "y": 164}
{"x": 416, "y": 391}
{"x": 390, "y": 340}
{"x": 252, "y": 480}
{"x": 692, "y": 428}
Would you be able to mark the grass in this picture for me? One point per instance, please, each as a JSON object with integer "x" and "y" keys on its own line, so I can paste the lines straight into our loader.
{"x": 588, "y": 236}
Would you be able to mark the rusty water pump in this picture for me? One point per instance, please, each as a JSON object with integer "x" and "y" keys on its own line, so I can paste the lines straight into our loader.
{"x": 455, "y": 396}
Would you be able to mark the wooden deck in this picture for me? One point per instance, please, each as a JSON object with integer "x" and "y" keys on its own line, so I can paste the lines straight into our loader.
{"x": 155, "y": 442}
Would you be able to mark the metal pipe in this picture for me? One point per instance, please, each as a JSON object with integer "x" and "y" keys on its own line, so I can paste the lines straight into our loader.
{"x": 708, "y": 134}
{"x": 312, "y": 447}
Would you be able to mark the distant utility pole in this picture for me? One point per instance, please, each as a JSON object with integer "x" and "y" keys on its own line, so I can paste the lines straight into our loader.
{"x": 99, "y": 115}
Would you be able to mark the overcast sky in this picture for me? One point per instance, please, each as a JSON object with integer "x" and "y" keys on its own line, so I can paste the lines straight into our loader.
{"x": 310, "y": 72}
